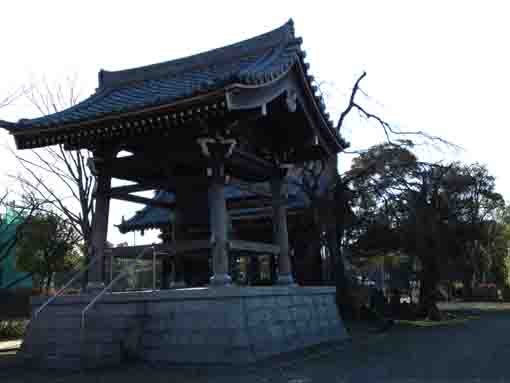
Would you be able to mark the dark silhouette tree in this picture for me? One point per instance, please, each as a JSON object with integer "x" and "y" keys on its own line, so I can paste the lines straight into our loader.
{"x": 432, "y": 211}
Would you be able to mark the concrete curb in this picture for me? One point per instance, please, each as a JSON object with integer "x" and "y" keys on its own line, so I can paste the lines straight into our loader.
{"x": 10, "y": 345}
{"x": 6, "y": 350}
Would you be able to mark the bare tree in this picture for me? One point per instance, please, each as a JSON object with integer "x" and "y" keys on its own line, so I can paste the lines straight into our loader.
{"x": 330, "y": 207}
{"x": 74, "y": 200}
{"x": 9, "y": 211}
{"x": 72, "y": 193}
{"x": 389, "y": 130}
{"x": 12, "y": 96}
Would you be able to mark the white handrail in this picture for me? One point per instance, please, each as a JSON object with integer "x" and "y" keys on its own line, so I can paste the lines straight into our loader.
{"x": 108, "y": 287}
{"x": 63, "y": 288}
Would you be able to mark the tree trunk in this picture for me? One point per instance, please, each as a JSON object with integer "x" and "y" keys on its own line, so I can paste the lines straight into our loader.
{"x": 334, "y": 239}
{"x": 48, "y": 282}
{"x": 467, "y": 282}
{"x": 428, "y": 286}
{"x": 86, "y": 259}
{"x": 342, "y": 286}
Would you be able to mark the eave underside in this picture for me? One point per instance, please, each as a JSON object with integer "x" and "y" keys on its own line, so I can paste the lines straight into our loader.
{"x": 231, "y": 106}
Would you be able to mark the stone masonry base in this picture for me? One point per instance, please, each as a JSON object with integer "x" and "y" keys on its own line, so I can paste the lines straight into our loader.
{"x": 220, "y": 325}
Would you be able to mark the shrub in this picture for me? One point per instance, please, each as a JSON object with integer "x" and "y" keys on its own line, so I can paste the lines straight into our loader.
{"x": 506, "y": 294}
{"x": 12, "y": 329}
{"x": 485, "y": 291}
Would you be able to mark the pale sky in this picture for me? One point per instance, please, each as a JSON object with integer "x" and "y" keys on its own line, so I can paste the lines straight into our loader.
{"x": 438, "y": 66}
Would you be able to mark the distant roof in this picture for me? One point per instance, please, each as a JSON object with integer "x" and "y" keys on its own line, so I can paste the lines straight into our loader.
{"x": 251, "y": 62}
{"x": 154, "y": 217}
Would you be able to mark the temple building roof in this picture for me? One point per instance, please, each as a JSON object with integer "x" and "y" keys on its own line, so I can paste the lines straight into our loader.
{"x": 151, "y": 217}
{"x": 251, "y": 63}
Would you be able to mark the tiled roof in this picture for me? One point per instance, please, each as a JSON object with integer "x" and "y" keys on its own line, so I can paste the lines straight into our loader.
{"x": 254, "y": 61}
{"x": 153, "y": 217}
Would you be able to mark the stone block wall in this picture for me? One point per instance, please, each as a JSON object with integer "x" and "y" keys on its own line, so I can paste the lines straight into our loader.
{"x": 206, "y": 325}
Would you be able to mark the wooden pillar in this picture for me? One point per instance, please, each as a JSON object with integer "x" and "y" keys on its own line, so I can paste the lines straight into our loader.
{"x": 178, "y": 264}
{"x": 166, "y": 271}
{"x": 281, "y": 236}
{"x": 96, "y": 274}
{"x": 217, "y": 149}
{"x": 219, "y": 226}
{"x": 254, "y": 270}
{"x": 166, "y": 262}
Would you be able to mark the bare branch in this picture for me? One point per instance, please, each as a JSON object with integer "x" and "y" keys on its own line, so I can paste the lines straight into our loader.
{"x": 69, "y": 168}
{"x": 351, "y": 102}
{"x": 388, "y": 129}
{"x": 13, "y": 96}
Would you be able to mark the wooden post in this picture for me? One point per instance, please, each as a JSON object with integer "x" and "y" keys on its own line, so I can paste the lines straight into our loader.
{"x": 217, "y": 150}
{"x": 178, "y": 264}
{"x": 166, "y": 271}
{"x": 281, "y": 236}
{"x": 219, "y": 226}
{"x": 166, "y": 265}
{"x": 154, "y": 269}
{"x": 99, "y": 232}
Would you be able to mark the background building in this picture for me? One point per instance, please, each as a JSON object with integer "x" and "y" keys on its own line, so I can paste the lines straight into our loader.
{"x": 9, "y": 274}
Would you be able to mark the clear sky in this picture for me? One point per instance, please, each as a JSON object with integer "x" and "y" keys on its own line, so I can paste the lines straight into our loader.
{"x": 438, "y": 66}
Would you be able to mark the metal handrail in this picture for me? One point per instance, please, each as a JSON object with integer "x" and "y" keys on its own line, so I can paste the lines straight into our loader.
{"x": 63, "y": 288}
{"x": 109, "y": 286}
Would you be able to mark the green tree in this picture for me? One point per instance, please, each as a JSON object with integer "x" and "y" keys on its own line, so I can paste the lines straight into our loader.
{"x": 13, "y": 214}
{"x": 47, "y": 244}
{"x": 441, "y": 214}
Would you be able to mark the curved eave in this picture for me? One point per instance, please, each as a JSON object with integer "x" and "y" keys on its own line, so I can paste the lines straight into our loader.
{"x": 326, "y": 125}
{"x": 281, "y": 84}
{"x": 180, "y": 111}
{"x": 130, "y": 228}
{"x": 119, "y": 103}
{"x": 139, "y": 120}
{"x": 21, "y": 129}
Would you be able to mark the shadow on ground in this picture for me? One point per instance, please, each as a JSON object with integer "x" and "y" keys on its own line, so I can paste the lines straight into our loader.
{"x": 475, "y": 350}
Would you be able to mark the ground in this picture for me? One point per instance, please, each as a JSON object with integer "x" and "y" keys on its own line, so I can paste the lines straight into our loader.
{"x": 472, "y": 350}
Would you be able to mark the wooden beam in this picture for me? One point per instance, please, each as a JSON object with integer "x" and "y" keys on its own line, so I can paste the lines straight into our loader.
{"x": 250, "y": 167}
{"x": 193, "y": 248}
{"x": 142, "y": 200}
{"x": 126, "y": 189}
{"x": 260, "y": 189}
{"x": 125, "y": 167}
{"x": 254, "y": 247}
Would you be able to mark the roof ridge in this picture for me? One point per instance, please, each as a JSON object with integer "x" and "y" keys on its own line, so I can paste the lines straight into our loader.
{"x": 268, "y": 40}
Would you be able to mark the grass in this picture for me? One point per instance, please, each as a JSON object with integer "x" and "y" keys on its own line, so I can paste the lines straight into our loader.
{"x": 445, "y": 322}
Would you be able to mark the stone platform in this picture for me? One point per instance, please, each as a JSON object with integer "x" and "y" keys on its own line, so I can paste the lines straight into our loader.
{"x": 221, "y": 325}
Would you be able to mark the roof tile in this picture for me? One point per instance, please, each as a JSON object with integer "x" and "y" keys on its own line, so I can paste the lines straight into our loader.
{"x": 256, "y": 60}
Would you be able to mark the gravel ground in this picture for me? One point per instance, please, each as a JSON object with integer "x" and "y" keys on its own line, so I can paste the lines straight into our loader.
{"x": 475, "y": 351}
